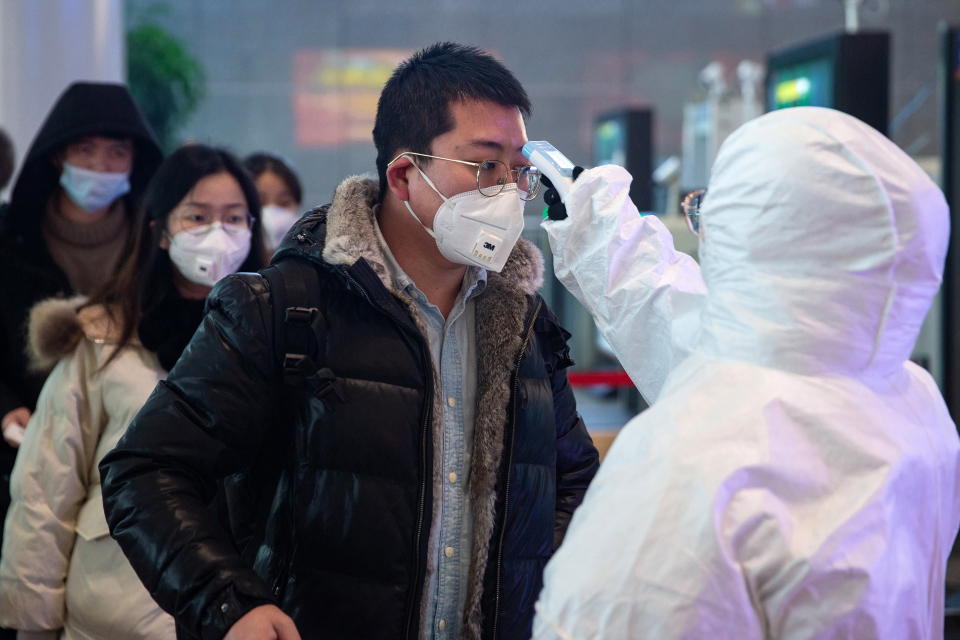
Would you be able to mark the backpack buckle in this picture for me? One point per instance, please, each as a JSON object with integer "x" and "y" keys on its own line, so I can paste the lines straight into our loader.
{"x": 295, "y": 367}
{"x": 293, "y": 361}
{"x": 301, "y": 315}
{"x": 324, "y": 382}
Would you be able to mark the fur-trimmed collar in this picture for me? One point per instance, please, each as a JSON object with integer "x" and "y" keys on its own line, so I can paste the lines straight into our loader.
{"x": 57, "y": 325}
{"x": 351, "y": 236}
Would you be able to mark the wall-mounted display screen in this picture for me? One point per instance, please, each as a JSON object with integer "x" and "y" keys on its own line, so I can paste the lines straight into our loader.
{"x": 610, "y": 142}
{"x": 803, "y": 84}
{"x": 847, "y": 71}
{"x": 335, "y": 93}
{"x": 625, "y": 138}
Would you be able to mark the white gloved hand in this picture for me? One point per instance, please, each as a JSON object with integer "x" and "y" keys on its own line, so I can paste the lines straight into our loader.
{"x": 644, "y": 295}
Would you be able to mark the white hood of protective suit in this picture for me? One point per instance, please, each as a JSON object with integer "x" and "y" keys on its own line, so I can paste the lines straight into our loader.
{"x": 796, "y": 477}
{"x": 823, "y": 247}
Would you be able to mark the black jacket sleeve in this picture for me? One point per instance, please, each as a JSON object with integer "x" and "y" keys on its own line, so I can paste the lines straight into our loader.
{"x": 577, "y": 457}
{"x": 206, "y": 421}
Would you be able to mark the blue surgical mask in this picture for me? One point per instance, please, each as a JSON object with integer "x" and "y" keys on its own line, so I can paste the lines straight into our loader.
{"x": 93, "y": 190}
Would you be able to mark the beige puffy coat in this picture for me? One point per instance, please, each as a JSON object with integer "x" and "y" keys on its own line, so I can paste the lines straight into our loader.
{"x": 60, "y": 568}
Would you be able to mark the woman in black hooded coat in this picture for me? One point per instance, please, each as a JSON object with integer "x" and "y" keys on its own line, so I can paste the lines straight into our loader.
{"x": 45, "y": 252}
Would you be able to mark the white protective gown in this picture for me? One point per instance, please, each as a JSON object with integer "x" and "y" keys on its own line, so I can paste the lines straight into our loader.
{"x": 797, "y": 475}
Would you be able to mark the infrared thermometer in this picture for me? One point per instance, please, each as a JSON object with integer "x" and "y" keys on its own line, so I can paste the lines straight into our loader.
{"x": 552, "y": 164}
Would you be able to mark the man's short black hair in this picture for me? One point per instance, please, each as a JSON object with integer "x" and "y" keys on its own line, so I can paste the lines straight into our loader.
{"x": 6, "y": 158}
{"x": 414, "y": 106}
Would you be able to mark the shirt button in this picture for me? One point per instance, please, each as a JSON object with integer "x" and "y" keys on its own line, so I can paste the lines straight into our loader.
{"x": 224, "y": 607}
{"x": 448, "y": 552}
{"x": 442, "y": 625}
{"x": 451, "y": 401}
{"x": 452, "y": 477}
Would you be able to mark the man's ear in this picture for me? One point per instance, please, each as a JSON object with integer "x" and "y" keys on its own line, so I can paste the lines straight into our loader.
{"x": 398, "y": 177}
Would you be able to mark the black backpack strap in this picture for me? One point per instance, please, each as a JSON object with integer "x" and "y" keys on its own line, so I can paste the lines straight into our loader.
{"x": 299, "y": 326}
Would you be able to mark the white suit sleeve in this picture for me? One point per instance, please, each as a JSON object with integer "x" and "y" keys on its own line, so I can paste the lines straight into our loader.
{"x": 47, "y": 488}
{"x": 644, "y": 295}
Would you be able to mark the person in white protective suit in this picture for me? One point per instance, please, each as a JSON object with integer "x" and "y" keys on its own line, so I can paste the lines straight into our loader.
{"x": 796, "y": 476}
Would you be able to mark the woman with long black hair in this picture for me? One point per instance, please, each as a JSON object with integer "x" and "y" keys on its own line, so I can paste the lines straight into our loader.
{"x": 281, "y": 195}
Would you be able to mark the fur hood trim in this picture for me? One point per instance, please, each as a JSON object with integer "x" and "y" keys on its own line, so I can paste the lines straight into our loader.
{"x": 57, "y": 325}
{"x": 351, "y": 236}
{"x": 350, "y": 232}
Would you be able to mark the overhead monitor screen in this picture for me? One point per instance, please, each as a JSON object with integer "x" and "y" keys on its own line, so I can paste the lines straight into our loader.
{"x": 802, "y": 84}
{"x": 336, "y": 92}
{"x": 610, "y": 142}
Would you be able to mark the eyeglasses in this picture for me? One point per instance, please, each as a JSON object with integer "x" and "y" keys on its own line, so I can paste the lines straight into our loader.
{"x": 200, "y": 222}
{"x": 691, "y": 209}
{"x": 493, "y": 175}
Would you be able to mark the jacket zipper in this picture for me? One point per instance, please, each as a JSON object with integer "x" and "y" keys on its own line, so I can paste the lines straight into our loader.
{"x": 418, "y": 584}
{"x": 280, "y": 584}
{"x": 506, "y": 492}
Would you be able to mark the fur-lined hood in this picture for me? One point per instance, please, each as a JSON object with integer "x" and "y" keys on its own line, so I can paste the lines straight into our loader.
{"x": 57, "y": 325}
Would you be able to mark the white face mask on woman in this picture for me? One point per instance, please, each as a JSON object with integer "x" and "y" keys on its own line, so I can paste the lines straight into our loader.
{"x": 276, "y": 222}
{"x": 204, "y": 255}
{"x": 476, "y": 230}
{"x": 93, "y": 191}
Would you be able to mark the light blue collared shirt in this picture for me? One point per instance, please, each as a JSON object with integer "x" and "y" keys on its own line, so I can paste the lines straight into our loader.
{"x": 453, "y": 348}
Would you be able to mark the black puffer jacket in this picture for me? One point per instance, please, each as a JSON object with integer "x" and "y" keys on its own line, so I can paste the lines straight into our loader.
{"x": 344, "y": 549}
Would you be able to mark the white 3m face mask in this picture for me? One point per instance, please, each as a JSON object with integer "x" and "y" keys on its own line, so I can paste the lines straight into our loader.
{"x": 208, "y": 257}
{"x": 93, "y": 190}
{"x": 276, "y": 222}
{"x": 476, "y": 230}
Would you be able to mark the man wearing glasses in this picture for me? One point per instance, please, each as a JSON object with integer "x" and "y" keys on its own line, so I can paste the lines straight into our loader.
{"x": 430, "y": 462}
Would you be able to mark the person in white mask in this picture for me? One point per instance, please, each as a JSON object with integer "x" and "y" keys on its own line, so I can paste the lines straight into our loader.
{"x": 280, "y": 196}
{"x": 796, "y": 475}
{"x": 61, "y": 575}
{"x": 478, "y": 227}
{"x": 211, "y": 232}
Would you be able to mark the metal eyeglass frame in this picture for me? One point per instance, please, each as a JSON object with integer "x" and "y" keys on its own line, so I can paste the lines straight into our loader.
{"x": 231, "y": 229}
{"x": 691, "y": 209}
{"x": 514, "y": 173}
